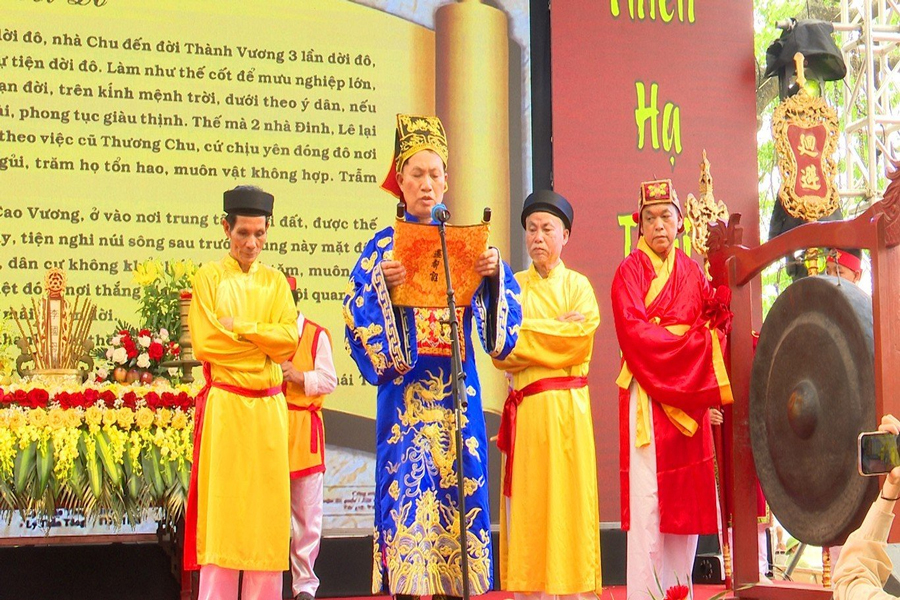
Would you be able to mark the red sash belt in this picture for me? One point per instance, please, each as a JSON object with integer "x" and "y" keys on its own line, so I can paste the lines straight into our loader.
{"x": 506, "y": 438}
{"x": 190, "y": 517}
{"x": 317, "y": 429}
{"x": 246, "y": 392}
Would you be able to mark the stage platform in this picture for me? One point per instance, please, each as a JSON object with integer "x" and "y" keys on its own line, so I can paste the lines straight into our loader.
{"x": 616, "y": 592}
{"x": 142, "y": 571}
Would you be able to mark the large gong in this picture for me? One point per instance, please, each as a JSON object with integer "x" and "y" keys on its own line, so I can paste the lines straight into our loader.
{"x": 812, "y": 391}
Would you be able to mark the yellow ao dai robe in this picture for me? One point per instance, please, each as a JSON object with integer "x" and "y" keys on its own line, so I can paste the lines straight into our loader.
{"x": 550, "y": 526}
{"x": 243, "y": 516}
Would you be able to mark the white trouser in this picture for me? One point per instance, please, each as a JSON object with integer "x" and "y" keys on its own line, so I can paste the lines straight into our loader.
{"x": 652, "y": 556}
{"x": 306, "y": 531}
{"x": 219, "y": 583}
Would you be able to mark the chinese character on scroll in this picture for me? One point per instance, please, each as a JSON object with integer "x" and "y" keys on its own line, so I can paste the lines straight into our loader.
{"x": 418, "y": 248}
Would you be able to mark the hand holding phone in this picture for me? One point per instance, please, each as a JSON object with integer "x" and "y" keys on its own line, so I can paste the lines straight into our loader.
{"x": 878, "y": 452}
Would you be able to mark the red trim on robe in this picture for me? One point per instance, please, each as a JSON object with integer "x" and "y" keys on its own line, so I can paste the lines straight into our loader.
{"x": 309, "y": 471}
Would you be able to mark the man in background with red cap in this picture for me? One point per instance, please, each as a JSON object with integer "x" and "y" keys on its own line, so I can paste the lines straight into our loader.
{"x": 671, "y": 326}
{"x": 549, "y": 517}
{"x": 844, "y": 263}
{"x": 243, "y": 326}
{"x": 309, "y": 376}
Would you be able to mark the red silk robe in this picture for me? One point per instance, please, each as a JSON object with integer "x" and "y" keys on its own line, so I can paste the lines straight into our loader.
{"x": 676, "y": 370}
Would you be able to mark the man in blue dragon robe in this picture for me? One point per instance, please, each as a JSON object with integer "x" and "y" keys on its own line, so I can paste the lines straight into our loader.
{"x": 406, "y": 353}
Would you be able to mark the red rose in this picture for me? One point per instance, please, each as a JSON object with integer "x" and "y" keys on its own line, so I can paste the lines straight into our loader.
{"x": 144, "y": 332}
{"x": 38, "y": 397}
{"x": 152, "y": 400}
{"x": 108, "y": 397}
{"x": 677, "y": 592}
{"x": 184, "y": 401}
{"x": 20, "y": 397}
{"x": 155, "y": 351}
{"x": 130, "y": 400}
{"x": 185, "y": 294}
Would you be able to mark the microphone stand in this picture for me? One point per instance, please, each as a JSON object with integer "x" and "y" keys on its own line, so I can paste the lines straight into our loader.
{"x": 460, "y": 403}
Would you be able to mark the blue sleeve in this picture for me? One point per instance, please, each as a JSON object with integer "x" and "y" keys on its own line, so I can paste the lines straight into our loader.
{"x": 497, "y": 308}
{"x": 380, "y": 337}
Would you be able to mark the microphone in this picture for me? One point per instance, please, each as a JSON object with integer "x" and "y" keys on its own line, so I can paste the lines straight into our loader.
{"x": 440, "y": 213}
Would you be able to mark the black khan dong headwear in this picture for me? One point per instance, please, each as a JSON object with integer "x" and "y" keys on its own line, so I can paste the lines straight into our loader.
{"x": 248, "y": 200}
{"x": 550, "y": 202}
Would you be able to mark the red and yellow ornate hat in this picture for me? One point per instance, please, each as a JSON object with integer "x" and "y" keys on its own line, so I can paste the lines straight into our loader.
{"x": 414, "y": 134}
{"x": 657, "y": 191}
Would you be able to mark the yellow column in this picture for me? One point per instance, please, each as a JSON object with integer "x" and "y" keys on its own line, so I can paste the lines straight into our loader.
{"x": 472, "y": 100}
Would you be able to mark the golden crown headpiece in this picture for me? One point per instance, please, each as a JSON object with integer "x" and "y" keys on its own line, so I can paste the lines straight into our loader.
{"x": 416, "y": 133}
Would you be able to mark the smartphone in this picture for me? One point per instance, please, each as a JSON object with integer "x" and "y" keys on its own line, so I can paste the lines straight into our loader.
{"x": 878, "y": 452}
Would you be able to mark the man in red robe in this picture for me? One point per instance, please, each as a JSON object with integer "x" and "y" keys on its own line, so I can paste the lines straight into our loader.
{"x": 671, "y": 328}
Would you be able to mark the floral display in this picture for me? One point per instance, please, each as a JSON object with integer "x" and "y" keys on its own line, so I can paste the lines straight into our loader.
{"x": 137, "y": 355}
{"x": 161, "y": 286}
{"x": 119, "y": 449}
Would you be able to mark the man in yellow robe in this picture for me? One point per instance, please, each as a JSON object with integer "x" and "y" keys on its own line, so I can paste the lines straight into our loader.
{"x": 243, "y": 326}
{"x": 549, "y": 517}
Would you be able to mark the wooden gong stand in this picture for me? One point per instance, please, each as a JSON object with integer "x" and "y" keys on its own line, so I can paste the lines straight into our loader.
{"x": 877, "y": 230}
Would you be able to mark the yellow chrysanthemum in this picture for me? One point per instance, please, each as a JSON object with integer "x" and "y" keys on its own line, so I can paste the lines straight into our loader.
{"x": 110, "y": 416}
{"x": 73, "y": 418}
{"x": 163, "y": 417}
{"x": 57, "y": 418}
{"x": 93, "y": 416}
{"x": 37, "y": 417}
{"x": 125, "y": 417}
{"x": 179, "y": 420}
{"x": 144, "y": 418}
{"x": 16, "y": 419}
